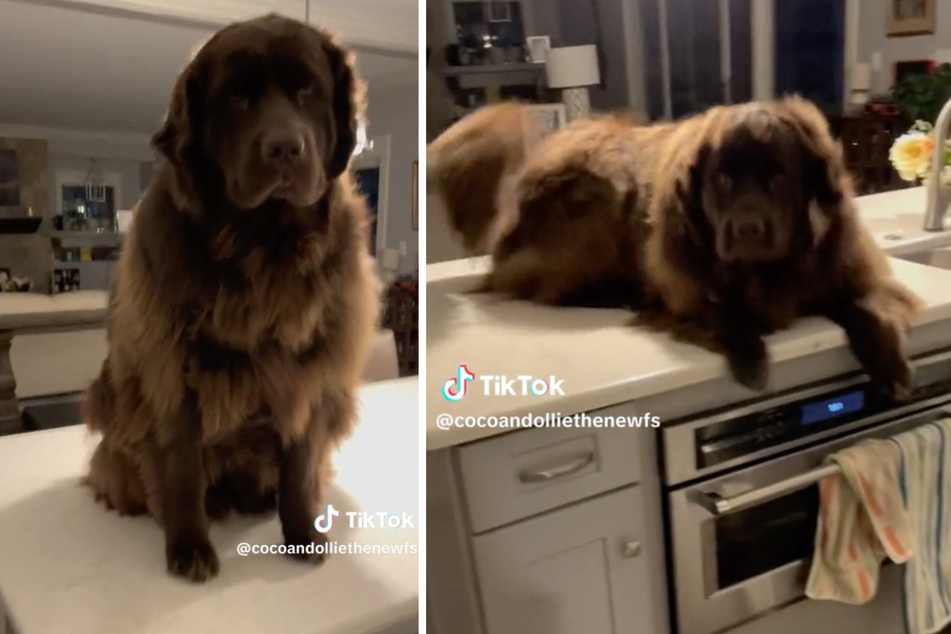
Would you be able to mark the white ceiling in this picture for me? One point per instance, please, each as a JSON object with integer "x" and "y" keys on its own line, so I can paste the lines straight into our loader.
{"x": 95, "y": 70}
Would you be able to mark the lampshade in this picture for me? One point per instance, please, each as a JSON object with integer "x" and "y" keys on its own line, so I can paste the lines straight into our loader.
{"x": 572, "y": 66}
{"x": 861, "y": 77}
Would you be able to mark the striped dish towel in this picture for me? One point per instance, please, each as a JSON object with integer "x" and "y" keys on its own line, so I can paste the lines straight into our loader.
{"x": 925, "y": 482}
{"x": 862, "y": 520}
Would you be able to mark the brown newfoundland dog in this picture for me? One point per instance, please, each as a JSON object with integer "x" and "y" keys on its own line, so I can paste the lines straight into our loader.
{"x": 719, "y": 228}
{"x": 244, "y": 299}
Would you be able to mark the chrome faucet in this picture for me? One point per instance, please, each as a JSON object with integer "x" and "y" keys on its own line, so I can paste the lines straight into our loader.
{"x": 938, "y": 197}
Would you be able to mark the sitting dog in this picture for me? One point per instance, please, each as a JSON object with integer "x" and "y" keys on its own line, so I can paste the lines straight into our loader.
{"x": 245, "y": 298}
{"x": 719, "y": 228}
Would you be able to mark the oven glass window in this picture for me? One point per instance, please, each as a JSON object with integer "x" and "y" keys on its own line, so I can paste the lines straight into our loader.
{"x": 765, "y": 537}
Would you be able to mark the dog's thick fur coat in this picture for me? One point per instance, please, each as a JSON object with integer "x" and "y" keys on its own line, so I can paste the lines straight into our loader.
{"x": 609, "y": 213}
{"x": 237, "y": 333}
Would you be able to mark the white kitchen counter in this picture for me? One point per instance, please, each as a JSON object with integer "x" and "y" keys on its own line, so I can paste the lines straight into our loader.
{"x": 601, "y": 360}
{"x": 896, "y": 219}
{"x": 69, "y": 567}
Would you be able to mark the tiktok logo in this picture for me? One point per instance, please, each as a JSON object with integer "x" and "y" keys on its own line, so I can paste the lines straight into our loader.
{"x": 325, "y": 522}
{"x": 454, "y": 390}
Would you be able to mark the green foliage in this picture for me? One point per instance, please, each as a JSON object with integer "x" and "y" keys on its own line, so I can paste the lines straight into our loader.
{"x": 921, "y": 97}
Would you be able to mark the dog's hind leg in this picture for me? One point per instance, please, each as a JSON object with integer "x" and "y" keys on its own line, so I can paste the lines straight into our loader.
{"x": 243, "y": 473}
{"x": 114, "y": 478}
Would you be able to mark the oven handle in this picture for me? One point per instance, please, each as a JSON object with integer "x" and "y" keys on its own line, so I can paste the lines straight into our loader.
{"x": 718, "y": 506}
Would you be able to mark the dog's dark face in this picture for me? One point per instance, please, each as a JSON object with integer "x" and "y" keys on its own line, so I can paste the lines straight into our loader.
{"x": 762, "y": 186}
{"x": 267, "y": 111}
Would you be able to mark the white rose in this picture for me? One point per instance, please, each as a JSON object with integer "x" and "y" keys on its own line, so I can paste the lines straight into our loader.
{"x": 911, "y": 155}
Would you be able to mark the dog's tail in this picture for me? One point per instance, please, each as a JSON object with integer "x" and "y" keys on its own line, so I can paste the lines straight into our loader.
{"x": 471, "y": 167}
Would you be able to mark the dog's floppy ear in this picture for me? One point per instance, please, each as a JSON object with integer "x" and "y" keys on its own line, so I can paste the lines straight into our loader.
{"x": 178, "y": 139}
{"x": 681, "y": 195}
{"x": 824, "y": 171}
{"x": 348, "y": 106}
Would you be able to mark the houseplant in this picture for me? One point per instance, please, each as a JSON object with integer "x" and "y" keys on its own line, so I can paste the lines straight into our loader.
{"x": 921, "y": 98}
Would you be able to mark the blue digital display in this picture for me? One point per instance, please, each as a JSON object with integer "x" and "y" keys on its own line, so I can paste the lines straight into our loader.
{"x": 841, "y": 405}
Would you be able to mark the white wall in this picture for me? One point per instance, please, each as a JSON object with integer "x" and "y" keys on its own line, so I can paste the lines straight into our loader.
{"x": 395, "y": 112}
{"x": 872, "y": 39}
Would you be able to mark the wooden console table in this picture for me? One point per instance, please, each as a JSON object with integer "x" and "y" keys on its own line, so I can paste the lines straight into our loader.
{"x": 23, "y": 313}
{"x": 401, "y": 315}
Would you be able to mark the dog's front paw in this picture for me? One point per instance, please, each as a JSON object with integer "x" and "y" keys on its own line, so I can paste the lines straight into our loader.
{"x": 750, "y": 370}
{"x": 310, "y": 547}
{"x": 192, "y": 560}
{"x": 895, "y": 380}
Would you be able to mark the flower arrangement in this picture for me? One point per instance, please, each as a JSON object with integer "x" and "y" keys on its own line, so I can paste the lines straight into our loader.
{"x": 911, "y": 154}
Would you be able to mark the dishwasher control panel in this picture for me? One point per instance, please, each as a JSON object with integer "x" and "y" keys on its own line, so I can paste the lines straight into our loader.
{"x": 726, "y": 438}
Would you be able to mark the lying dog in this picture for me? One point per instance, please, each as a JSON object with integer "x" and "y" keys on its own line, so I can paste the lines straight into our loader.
{"x": 245, "y": 298}
{"x": 719, "y": 228}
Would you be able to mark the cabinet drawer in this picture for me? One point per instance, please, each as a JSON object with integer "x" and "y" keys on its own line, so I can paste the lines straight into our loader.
{"x": 578, "y": 569}
{"x": 516, "y": 475}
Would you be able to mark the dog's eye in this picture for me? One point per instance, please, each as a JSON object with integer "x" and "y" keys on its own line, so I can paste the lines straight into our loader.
{"x": 305, "y": 94}
{"x": 724, "y": 183}
{"x": 239, "y": 99}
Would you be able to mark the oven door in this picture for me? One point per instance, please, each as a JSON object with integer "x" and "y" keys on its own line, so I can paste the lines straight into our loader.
{"x": 742, "y": 541}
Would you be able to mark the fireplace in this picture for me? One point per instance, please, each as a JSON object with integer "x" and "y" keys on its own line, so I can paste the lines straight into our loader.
{"x": 9, "y": 179}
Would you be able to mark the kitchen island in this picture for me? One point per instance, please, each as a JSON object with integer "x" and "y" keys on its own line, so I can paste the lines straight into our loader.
{"x": 599, "y": 358}
{"x": 561, "y": 529}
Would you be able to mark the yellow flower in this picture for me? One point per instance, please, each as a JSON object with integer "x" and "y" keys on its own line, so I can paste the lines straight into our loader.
{"x": 911, "y": 155}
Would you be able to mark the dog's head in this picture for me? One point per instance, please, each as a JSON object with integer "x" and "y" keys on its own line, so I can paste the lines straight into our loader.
{"x": 767, "y": 181}
{"x": 267, "y": 110}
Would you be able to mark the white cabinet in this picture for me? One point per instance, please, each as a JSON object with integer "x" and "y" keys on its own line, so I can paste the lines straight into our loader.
{"x": 515, "y": 476}
{"x": 548, "y": 531}
{"x": 577, "y": 569}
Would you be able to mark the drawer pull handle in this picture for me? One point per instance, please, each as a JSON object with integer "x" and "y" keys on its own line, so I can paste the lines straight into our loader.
{"x": 557, "y": 472}
{"x": 632, "y": 549}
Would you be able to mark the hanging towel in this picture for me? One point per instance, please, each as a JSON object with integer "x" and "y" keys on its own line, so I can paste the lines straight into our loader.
{"x": 862, "y": 520}
{"x": 925, "y": 482}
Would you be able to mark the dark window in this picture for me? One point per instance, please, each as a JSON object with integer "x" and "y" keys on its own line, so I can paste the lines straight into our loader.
{"x": 81, "y": 213}
{"x": 368, "y": 183}
{"x": 489, "y": 24}
{"x": 810, "y": 45}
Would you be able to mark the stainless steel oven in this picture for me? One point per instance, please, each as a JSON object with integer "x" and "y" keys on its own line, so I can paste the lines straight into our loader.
{"x": 741, "y": 501}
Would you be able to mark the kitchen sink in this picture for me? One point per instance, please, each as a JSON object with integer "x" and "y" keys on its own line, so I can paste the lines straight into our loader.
{"x": 939, "y": 258}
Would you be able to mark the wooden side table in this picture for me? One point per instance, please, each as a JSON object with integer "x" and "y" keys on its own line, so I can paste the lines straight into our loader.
{"x": 866, "y": 140}
{"x": 401, "y": 315}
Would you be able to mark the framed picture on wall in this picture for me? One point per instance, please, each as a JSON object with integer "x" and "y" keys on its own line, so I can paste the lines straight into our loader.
{"x": 538, "y": 47}
{"x": 910, "y": 17}
{"x": 553, "y": 115}
{"x": 415, "y": 195}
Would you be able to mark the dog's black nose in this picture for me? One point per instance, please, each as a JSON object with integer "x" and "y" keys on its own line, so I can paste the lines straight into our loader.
{"x": 283, "y": 146}
{"x": 749, "y": 228}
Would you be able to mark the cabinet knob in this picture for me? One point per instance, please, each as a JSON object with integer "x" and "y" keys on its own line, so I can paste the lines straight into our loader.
{"x": 632, "y": 549}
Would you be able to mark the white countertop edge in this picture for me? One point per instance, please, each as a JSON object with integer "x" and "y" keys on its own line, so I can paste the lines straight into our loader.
{"x": 810, "y": 336}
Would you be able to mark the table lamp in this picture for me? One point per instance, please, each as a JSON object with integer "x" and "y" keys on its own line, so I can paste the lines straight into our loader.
{"x": 573, "y": 69}
{"x": 861, "y": 84}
